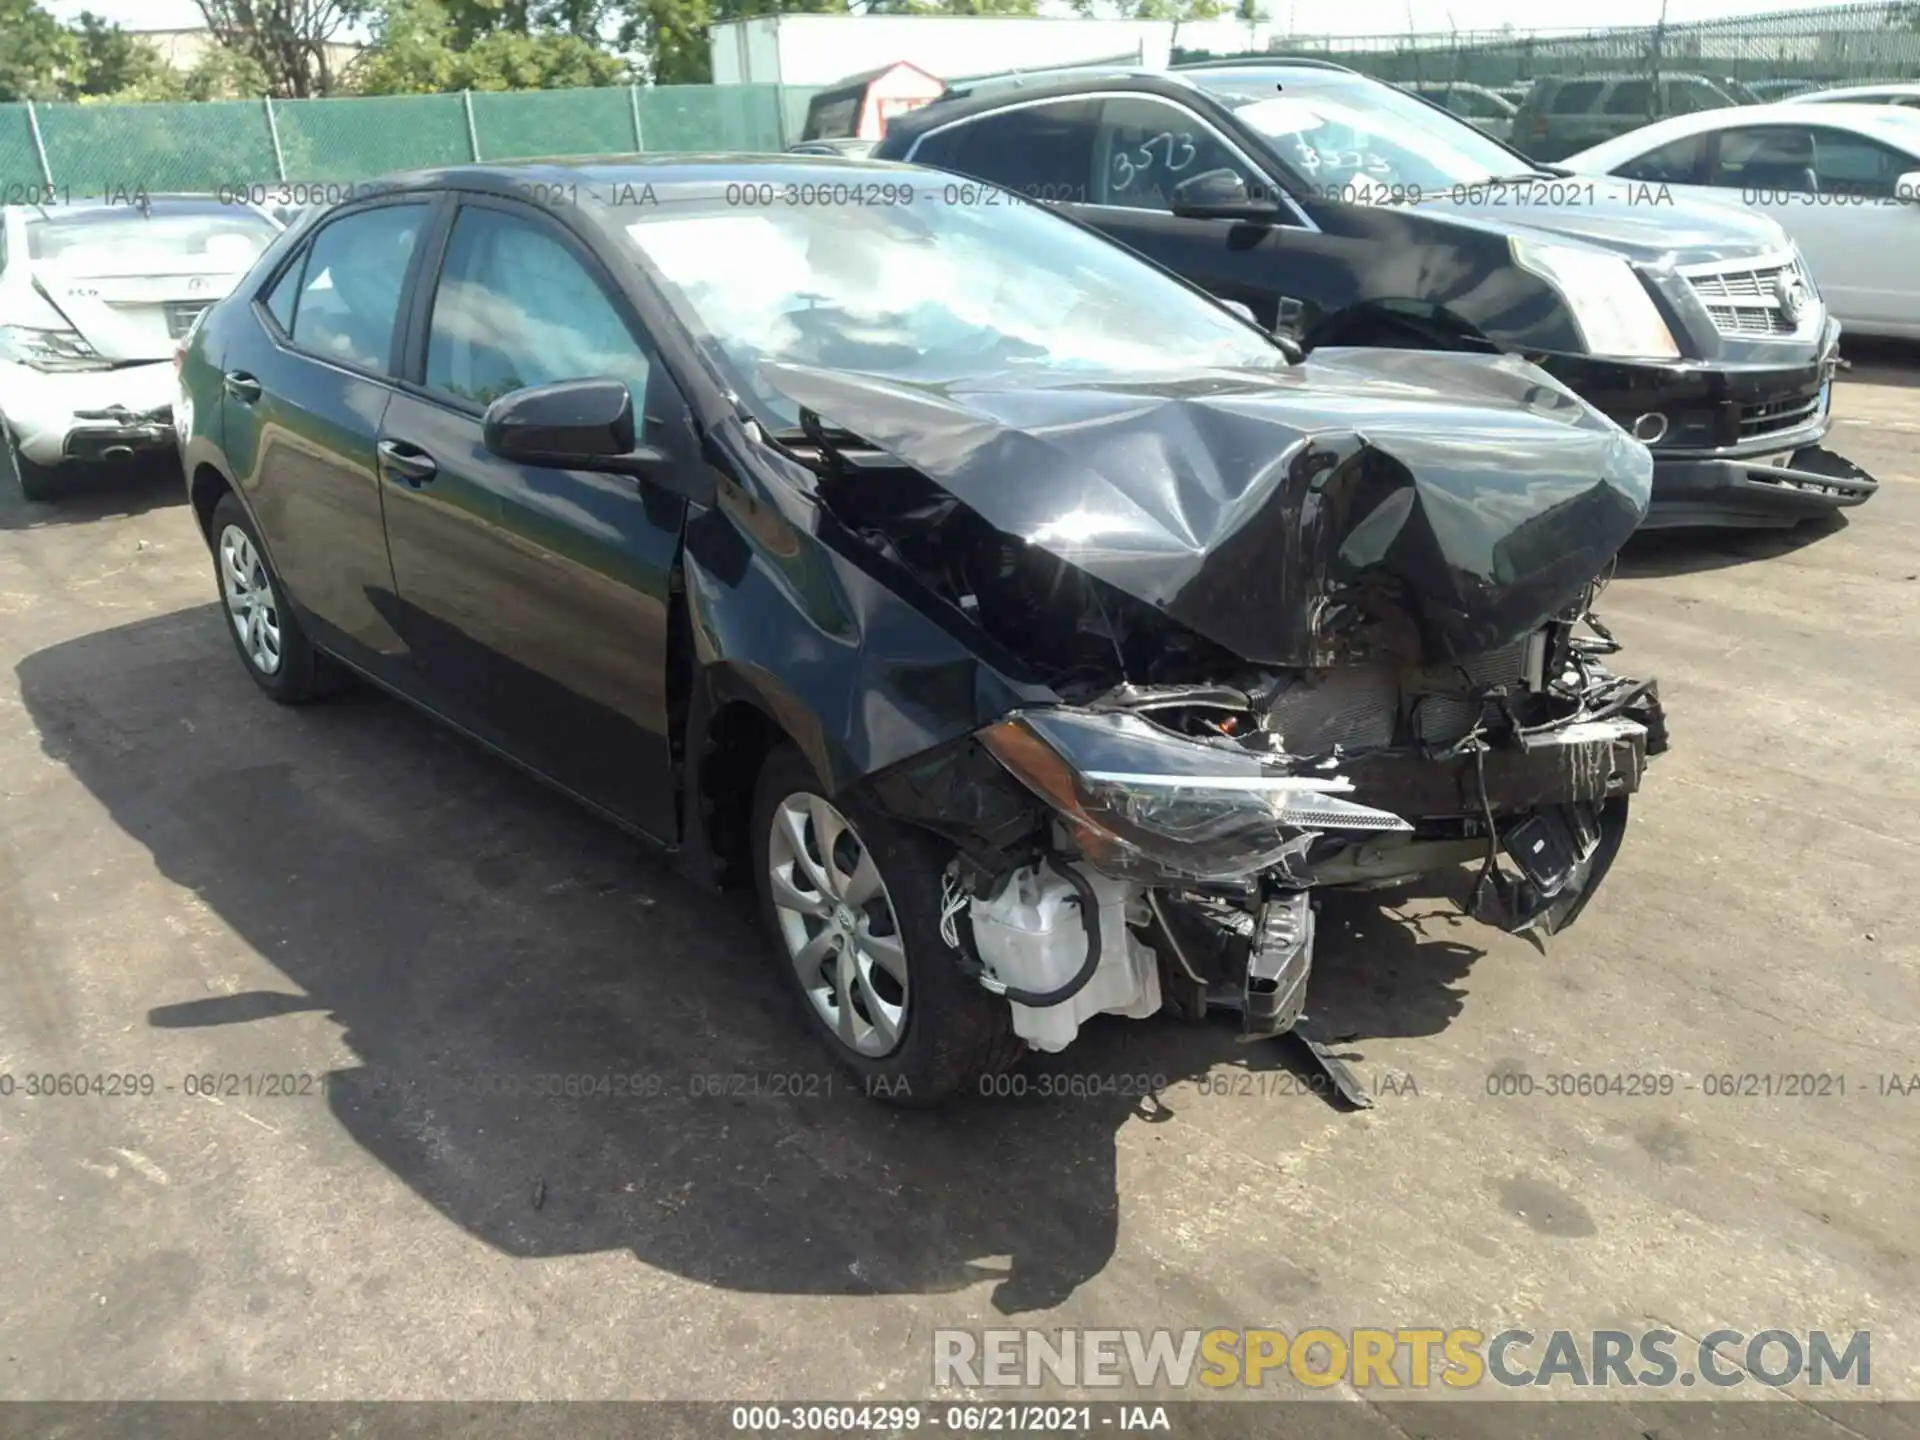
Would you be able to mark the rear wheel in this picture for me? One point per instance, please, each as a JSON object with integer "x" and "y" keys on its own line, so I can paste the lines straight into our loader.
{"x": 265, "y": 631}
{"x": 851, "y": 900}
{"x": 37, "y": 483}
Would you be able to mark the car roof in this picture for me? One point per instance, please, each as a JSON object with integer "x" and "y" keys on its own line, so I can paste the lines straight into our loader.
{"x": 685, "y": 176}
{"x": 1840, "y": 93}
{"x": 1881, "y": 122}
{"x": 1196, "y": 77}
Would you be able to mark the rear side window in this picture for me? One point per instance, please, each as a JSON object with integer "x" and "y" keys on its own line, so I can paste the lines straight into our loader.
{"x": 1576, "y": 98}
{"x": 280, "y": 300}
{"x": 1042, "y": 151}
{"x": 349, "y": 295}
{"x": 1631, "y": 97}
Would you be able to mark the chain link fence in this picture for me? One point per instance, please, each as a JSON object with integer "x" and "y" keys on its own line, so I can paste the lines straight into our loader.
{"x": 71, "y": 151}
{"x": 1835, "y": 45}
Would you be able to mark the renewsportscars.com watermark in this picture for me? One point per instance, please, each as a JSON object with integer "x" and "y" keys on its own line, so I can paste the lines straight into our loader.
{"x": 1412, "y": 1358}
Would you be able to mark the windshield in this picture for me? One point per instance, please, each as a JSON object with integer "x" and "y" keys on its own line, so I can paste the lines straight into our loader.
{"x": 1367, "y": 138}
{"x": 126, "y": 240}
{"x": 928, "y": 291}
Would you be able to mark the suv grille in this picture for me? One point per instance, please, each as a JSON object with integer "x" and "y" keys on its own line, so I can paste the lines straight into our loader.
{"x": 1746, "y": 300}
{"x": 1778, "y": 415}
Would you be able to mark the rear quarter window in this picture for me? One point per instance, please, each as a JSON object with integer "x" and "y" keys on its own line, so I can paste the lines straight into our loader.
{"x": 1577, "y": 98}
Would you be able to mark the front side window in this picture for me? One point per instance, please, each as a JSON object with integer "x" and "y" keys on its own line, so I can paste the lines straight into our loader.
{"x": 349, "y": 297}
{"x": 1147, "y": 147}
{"x": 1845, "y": 164}
{"x": 516, "y": 307}
{"x": 928, "y": 293}
{"x": 1774, "y": 157}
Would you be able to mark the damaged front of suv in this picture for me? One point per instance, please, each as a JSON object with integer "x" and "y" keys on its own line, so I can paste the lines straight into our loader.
{"x": 1225, "y": 629}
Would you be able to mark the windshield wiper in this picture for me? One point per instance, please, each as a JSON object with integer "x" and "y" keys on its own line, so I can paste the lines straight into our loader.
{"x": 1539, "y": 172}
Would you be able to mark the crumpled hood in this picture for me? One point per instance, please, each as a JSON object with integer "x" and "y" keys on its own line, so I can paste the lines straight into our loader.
{"x": 1366, "y": 504}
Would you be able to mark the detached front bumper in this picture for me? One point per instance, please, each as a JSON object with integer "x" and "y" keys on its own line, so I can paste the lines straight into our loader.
{"x": 1762, "y": 490}
{"x": 88, "y": 415}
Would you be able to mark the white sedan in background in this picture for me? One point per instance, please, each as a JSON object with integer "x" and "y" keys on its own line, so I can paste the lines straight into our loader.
{"x": 1843, "y": 180}
{"x": 93, "y": 297}
{"x": 1893, "y": 93}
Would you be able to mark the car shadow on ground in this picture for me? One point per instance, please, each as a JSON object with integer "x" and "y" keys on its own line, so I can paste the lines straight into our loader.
{"x": 99, "y": 492}
{"x": 472, "y": 933}
{"x": 1657, "y": 554}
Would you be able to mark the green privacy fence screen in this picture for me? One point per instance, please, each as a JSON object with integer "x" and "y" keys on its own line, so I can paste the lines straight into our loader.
{"x": 78, "y": 150}
{"x": 1833, "y": 45}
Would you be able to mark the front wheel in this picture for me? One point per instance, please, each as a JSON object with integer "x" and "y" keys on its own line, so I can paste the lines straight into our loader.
{"x": 851, "y": 900}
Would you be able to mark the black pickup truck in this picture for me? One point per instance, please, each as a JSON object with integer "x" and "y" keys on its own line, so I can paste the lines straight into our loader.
{"x": 1342, "y": 211}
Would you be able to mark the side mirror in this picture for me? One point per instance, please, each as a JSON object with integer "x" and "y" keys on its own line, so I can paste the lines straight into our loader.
{"x": 1222, "y": 195}
{"x": 1907, "y": 187}
{"x": 570, "y": 425}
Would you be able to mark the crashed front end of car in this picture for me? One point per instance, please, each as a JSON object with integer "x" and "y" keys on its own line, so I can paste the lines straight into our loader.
{"x": 1323, "y": 626}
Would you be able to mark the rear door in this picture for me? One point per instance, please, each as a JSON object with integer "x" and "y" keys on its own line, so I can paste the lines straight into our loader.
{"x": 307, "y": 377}
{"x": 535, "y": 600}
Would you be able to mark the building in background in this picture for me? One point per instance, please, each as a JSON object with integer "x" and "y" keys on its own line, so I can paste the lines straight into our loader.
{"x": 186, "y": 47}
{"x": 821, "y": 50}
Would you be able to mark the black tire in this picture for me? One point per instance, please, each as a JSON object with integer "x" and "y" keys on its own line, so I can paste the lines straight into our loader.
{"x": 40, "y": 484}
{"x": 304, "y": 674}
{"x": 955, "y": 1032}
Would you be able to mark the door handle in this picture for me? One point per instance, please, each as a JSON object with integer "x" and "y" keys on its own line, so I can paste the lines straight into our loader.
{"x": 241, "y": 386}
{"x": 408, "y": 463}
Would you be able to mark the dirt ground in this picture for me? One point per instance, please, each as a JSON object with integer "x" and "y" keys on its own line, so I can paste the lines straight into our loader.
{"x": 196, "y": 883}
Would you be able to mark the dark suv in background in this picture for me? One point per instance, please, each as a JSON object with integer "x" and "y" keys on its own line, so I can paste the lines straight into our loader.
{"x": 1564, "y": 114}
{"x": 1343, "y": 211}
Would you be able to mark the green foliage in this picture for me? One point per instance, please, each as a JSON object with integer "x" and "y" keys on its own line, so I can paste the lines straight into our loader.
{"x": 35, "y": 50}
{"x": 420, "y": 49}
{"x": 108, "y": 60}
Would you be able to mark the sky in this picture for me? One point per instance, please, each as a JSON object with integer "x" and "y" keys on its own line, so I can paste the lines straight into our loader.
{"x": 1306, "y": 17}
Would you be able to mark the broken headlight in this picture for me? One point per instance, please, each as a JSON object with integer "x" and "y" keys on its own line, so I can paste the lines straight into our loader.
{"x": 1144, "y": 803}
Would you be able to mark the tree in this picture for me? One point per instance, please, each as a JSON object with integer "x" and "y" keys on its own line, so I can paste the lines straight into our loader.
{"x": 287, "y": 39}
{"x": 35, "y": 50}
{"x": 108, "y": 60}
{"x": 419, "y": 49}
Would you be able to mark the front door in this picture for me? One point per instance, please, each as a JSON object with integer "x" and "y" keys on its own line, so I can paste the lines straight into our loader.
{"x": 535, "y": 600}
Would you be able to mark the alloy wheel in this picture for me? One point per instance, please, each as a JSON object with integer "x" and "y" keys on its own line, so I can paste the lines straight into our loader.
{"x": 250, "y": 602}
{"x": 838, "y": 922}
